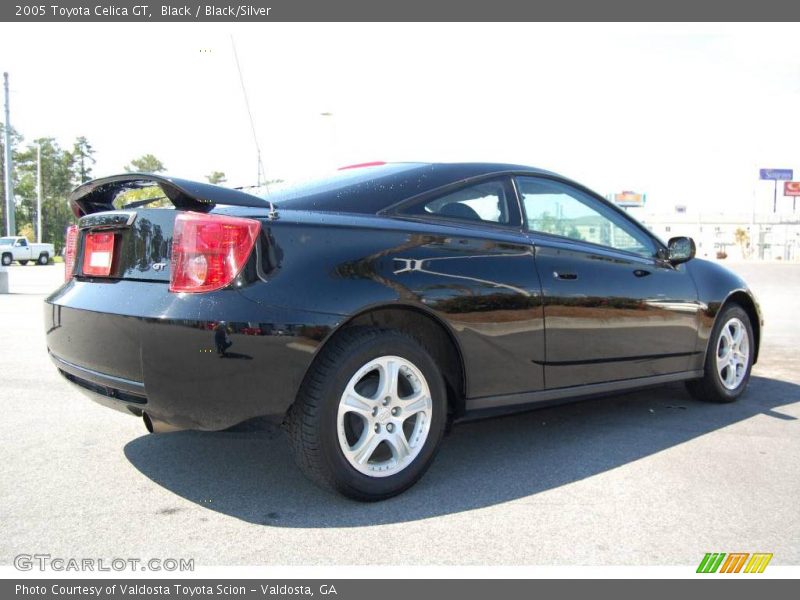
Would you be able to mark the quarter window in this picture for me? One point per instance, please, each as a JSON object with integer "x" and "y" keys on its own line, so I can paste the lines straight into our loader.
{"x": 486, "y": 202}
{"x": 558, "y": 209}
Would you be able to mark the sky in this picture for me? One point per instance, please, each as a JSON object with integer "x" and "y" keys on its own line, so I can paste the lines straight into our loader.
{"x": 684, "y": 113}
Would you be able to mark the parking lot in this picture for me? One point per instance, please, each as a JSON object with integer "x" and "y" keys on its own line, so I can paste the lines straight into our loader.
{"x": 645, "y": 478}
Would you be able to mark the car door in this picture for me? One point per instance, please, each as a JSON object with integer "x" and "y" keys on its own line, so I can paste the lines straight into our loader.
{"x": 613, "y": 309}
{"x": 22, "y": 251}
{"x": 476, "y": 270}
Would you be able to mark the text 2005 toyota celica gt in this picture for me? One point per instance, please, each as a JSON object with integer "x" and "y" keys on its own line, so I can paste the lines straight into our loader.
{"x": 369, "y": 309}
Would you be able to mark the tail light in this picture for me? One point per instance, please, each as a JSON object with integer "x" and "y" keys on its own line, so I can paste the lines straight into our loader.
{"x": 98, "y": 254}
{"x": 209, "y": 251}
{"x": 70, "y": 250}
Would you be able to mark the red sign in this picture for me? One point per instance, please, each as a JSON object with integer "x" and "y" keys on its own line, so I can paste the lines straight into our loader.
{"x": 791, "y": 188}
{"x": 628, "y": 198}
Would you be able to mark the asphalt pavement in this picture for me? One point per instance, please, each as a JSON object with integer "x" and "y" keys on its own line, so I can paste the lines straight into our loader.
{"x": 645, "y": 478}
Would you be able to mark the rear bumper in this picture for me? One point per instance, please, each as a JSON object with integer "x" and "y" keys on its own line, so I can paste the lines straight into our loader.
{"x": 113, "y": 392}
{"x": 133, "y": 346}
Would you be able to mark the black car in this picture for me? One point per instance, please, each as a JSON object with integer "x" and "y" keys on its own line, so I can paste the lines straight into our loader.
{"x": 368, "y": 310}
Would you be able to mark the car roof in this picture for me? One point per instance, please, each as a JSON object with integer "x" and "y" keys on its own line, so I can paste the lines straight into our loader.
{"x": 372, "y": 187}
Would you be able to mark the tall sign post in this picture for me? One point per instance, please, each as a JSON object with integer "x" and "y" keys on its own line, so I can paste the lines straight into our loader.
{"x": 775, "y": 175}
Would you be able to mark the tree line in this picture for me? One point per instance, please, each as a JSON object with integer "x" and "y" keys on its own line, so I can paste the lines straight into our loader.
{"x": 63, "y": 169}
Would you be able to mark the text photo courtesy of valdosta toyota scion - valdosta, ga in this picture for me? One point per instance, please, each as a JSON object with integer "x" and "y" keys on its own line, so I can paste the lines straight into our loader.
{"x": 386, "y": 301}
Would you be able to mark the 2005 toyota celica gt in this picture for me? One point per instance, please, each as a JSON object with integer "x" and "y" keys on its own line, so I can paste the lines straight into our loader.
{"x": 369, "y": 309}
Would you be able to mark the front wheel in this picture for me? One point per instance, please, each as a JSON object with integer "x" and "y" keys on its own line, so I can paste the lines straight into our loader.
{"x": 729, "y": 358}
{"x": 369, "y": 418}
{"x": 6, "y": 260}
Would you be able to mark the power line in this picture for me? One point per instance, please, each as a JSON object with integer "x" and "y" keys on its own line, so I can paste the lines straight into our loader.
{"x": 260, "y": 173}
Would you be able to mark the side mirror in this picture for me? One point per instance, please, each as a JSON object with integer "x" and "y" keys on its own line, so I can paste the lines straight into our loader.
{"x": 681, "y": 249}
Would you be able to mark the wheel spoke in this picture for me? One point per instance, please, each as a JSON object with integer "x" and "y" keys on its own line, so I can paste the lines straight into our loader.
{"x": 744, "y": 347}
{"x": 389, "y": 374}
{"x": 726, "y": 333}
{"x": 738, "y": 333}
{"x": 725, "y": 348}
{"x": 732, "y": 379}
{"x": 722, "y": 364}
{"x": 356, "y": 403}
{"x": 365, "y": 447}
{"x": 419, "y": 402}
{"x": 399, "y": 444}
{"x": 725, "y": 374}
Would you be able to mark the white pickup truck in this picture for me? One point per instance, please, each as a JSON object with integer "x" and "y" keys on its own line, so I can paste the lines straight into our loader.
{"x": 21, "y": 250}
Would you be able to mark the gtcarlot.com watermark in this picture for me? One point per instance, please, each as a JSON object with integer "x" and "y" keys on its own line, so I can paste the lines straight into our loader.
{"x": 46, "y": 562}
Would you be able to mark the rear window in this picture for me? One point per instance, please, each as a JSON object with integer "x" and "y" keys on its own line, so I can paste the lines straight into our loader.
{"x": 362, "y": 189}
{"x": 151, "y": 196}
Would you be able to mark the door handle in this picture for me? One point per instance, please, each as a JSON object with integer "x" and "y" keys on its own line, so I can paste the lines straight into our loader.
{"x": 641, "y": 273}
{"x": 565, "y": 276}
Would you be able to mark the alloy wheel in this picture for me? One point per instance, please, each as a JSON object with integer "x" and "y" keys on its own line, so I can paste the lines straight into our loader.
{"x": 733, "y": 353}
{"x": 384, "y": 416}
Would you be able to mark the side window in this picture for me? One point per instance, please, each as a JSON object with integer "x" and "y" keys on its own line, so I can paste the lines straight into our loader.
{"x": 486, "y": 202}
{"x": 558, "y": 209}
{"x": 22, "y": 242}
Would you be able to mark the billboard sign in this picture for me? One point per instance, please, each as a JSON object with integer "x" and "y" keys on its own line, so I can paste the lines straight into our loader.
{"x": 791, "y": 188}
{"x": 628, "y": 198}
{"x": 776, "y": 174}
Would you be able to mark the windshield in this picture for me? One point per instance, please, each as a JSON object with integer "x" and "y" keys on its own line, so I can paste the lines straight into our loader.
{"x": 6, "y": 241}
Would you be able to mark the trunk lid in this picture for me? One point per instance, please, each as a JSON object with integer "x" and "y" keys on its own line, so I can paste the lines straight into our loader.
{"x": 139, "y": 210}
{"x": 142, "y": 242}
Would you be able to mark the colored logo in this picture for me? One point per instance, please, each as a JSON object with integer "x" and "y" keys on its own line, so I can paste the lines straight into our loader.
{"x": 791, "y": 188}
{"x": 735, "y": 562}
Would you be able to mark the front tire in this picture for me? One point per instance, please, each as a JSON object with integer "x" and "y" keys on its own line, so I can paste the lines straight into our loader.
{"x": 6, "y": 260}
{"x": 370, "y": 415}
{"x": 729, "y": 358}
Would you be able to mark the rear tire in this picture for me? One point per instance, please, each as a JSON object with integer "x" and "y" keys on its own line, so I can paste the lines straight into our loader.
{"x": 729, "y": 358}
{"x": 23, "y": 262}
{"x": 6, "y": 260}
{"x": 370, "y": 415}
{"x": 44, "y": 258}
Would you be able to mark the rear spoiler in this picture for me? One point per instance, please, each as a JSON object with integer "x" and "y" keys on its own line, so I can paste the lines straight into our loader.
{"x": 99, "y": 194}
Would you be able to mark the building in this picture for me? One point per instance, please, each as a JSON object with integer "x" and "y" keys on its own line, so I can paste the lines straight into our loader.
{"x": 732, "y": 236}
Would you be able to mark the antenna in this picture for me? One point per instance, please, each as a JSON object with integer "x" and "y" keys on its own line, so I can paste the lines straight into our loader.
{"x": 260, "y": 167}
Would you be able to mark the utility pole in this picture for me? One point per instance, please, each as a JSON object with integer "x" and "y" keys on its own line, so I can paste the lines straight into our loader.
{"x": 38, "y": 193}
{"x": 10, "y": 226}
